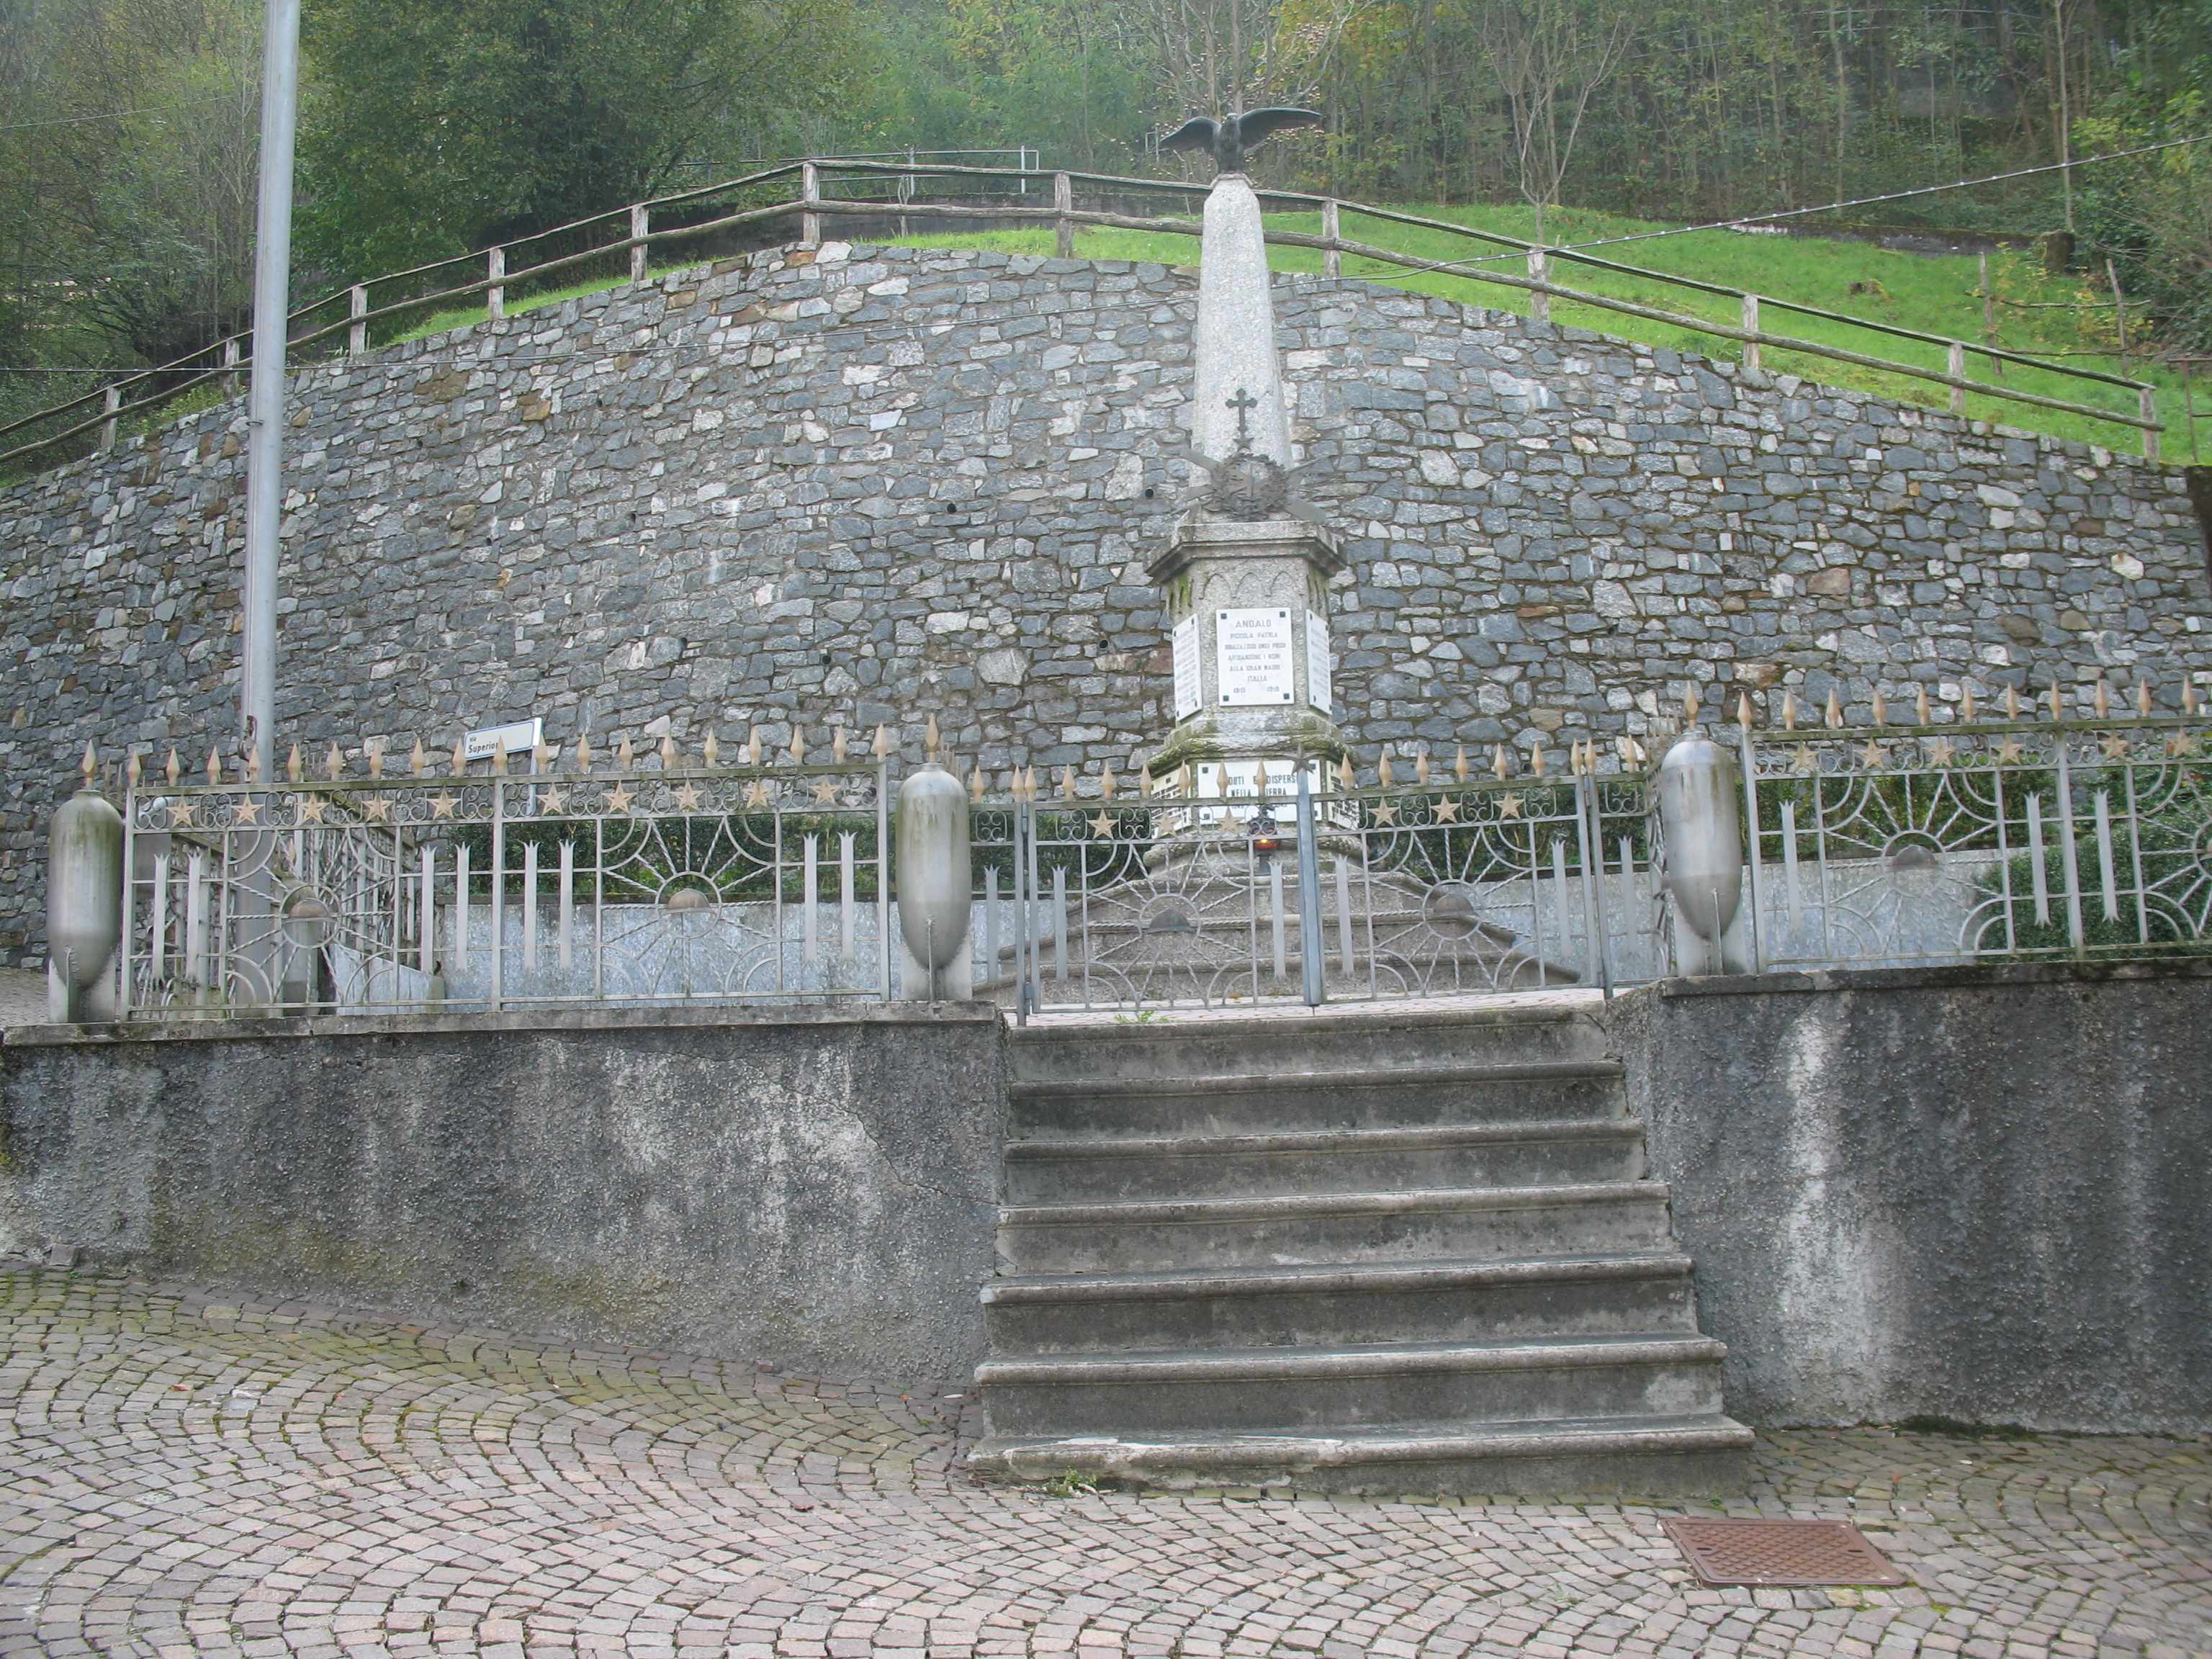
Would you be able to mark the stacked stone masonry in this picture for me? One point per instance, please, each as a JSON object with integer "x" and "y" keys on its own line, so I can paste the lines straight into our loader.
{"x": 878, "y": 483}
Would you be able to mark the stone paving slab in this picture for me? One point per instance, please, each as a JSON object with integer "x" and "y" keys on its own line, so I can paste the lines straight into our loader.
{"x": 182, "y": 1473}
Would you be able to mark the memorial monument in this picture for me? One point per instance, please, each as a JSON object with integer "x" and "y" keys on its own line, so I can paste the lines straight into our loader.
{"x": 1244, "y": 576}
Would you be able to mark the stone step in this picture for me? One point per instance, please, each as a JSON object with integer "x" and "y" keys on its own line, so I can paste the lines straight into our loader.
{"x": 1181, "y": 1046}
{"x": 1404, "y": 1097}
{"x": 1643, "y": 1293}
{"x": 1354, "y": 1385}
{"x": 1046, "y": 1171}
{"x": 1645, "y": 1456}
{"x": 1484, "y": 1223}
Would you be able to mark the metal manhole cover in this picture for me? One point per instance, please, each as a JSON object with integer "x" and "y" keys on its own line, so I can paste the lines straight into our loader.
{"x": 1781, "y": 1553}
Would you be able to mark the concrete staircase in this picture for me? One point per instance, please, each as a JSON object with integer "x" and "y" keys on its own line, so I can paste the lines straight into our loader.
{"x": 1370, "y": 1253}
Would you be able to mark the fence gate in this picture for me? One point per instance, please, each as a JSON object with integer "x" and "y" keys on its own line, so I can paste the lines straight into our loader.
{"x": 1297, "y": 888}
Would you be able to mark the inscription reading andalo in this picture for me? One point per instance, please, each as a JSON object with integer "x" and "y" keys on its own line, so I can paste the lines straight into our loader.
{"x": 1253, "y": 655}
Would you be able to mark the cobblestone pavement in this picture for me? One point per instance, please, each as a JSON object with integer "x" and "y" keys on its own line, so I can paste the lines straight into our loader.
{"x": 181, "y": 1475}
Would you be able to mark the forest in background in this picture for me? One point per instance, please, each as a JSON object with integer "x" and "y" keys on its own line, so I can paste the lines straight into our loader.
{"x": 432, "y": 127}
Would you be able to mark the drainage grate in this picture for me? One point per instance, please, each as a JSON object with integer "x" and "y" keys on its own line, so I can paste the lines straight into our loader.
{"x": 1781, "y": 1553}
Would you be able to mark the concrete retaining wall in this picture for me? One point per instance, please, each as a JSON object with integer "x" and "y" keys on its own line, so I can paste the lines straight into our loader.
{"x": 811, "y": 1187}
{"x": 1977, "y": 1193}
{"x": 888, "y": 483}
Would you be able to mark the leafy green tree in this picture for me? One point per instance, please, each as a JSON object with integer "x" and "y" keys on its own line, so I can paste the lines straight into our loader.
{"x": 126, "y": 179}
{"x": 434, "y": 126}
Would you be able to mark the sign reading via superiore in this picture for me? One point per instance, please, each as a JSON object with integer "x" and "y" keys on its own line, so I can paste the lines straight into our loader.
{"x": 1252, "y": 649}
{"x": 1190, "y": 686}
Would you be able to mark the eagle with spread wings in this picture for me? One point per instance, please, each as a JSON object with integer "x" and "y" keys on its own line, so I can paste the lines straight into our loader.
{"x": 1231, "y": 135}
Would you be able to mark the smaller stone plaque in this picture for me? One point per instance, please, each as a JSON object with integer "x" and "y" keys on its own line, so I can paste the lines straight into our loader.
{"x": 1253, "y": 657}
{"x": 1190, "y": 687}
{"x": 1321, "y": 688}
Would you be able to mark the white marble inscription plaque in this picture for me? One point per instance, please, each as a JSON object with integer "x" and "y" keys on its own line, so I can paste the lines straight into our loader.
{"x": 1320, "y": 690}
{"x": 1253, "y": 657}
{"x": 1189, "y": 689}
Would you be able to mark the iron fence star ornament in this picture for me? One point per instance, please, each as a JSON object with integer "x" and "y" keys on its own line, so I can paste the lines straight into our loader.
{"x": 1227, "y": 139}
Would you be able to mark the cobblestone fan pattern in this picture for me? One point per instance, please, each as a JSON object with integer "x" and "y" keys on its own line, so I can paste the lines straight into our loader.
{"x": 186, "y": 1477}
{"x": 888, "y": 481}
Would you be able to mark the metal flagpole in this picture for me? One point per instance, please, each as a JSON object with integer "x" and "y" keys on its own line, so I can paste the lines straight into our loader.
{"x": 264, "y": 450}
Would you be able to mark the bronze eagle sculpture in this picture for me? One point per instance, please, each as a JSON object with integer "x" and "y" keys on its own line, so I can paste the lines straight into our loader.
{"x": 1231, "y": 135}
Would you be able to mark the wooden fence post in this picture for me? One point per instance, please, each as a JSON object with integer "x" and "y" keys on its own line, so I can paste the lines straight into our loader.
{"x": 230, "y": 366}
{"x": 111, "y": 399}
{"x": 639, "y": 227}
{"x": 1988, "y": 319}
{"x": 2119, "y": 311}
{"x": 495, "y": 301}
{"x": 357, "y": 309}
{"x": 1958, "y": 371}
{"x": 2147, "y": 405}
{"x": 1063, "y": 202}
{"x": 1751, "y": 327}
{"x": 1332, "y": 259}
{"x": 810, "y": 224}
{"x": 1539, "y": 303}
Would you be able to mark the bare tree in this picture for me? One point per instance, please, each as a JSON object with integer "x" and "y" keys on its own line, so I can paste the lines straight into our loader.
{"x": 1549, "y": 57}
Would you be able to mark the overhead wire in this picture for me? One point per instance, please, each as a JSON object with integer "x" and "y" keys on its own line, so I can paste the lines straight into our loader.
{"x": 1748, "y": 219}
{"x": 116, "y": 114}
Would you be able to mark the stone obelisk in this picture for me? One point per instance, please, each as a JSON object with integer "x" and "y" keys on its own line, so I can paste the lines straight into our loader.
{"x": 1245, "y": 573}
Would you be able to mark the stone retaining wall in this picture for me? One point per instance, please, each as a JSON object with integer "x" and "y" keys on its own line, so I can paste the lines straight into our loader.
{"x": 885, "y": 483}
{"x": 814, "y": 1187}
{"x": 1973, "y": 1192}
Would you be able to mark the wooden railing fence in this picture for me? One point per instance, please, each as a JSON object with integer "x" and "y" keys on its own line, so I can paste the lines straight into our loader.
{"x": 349, "y": 312}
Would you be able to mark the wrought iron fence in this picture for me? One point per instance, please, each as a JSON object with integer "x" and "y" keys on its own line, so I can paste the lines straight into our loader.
{"x": 2017, "y": 840}
{"x": 1308, "y": 887}
{"x": 2013, "y": 840}
{"x": 479, "y": 892}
